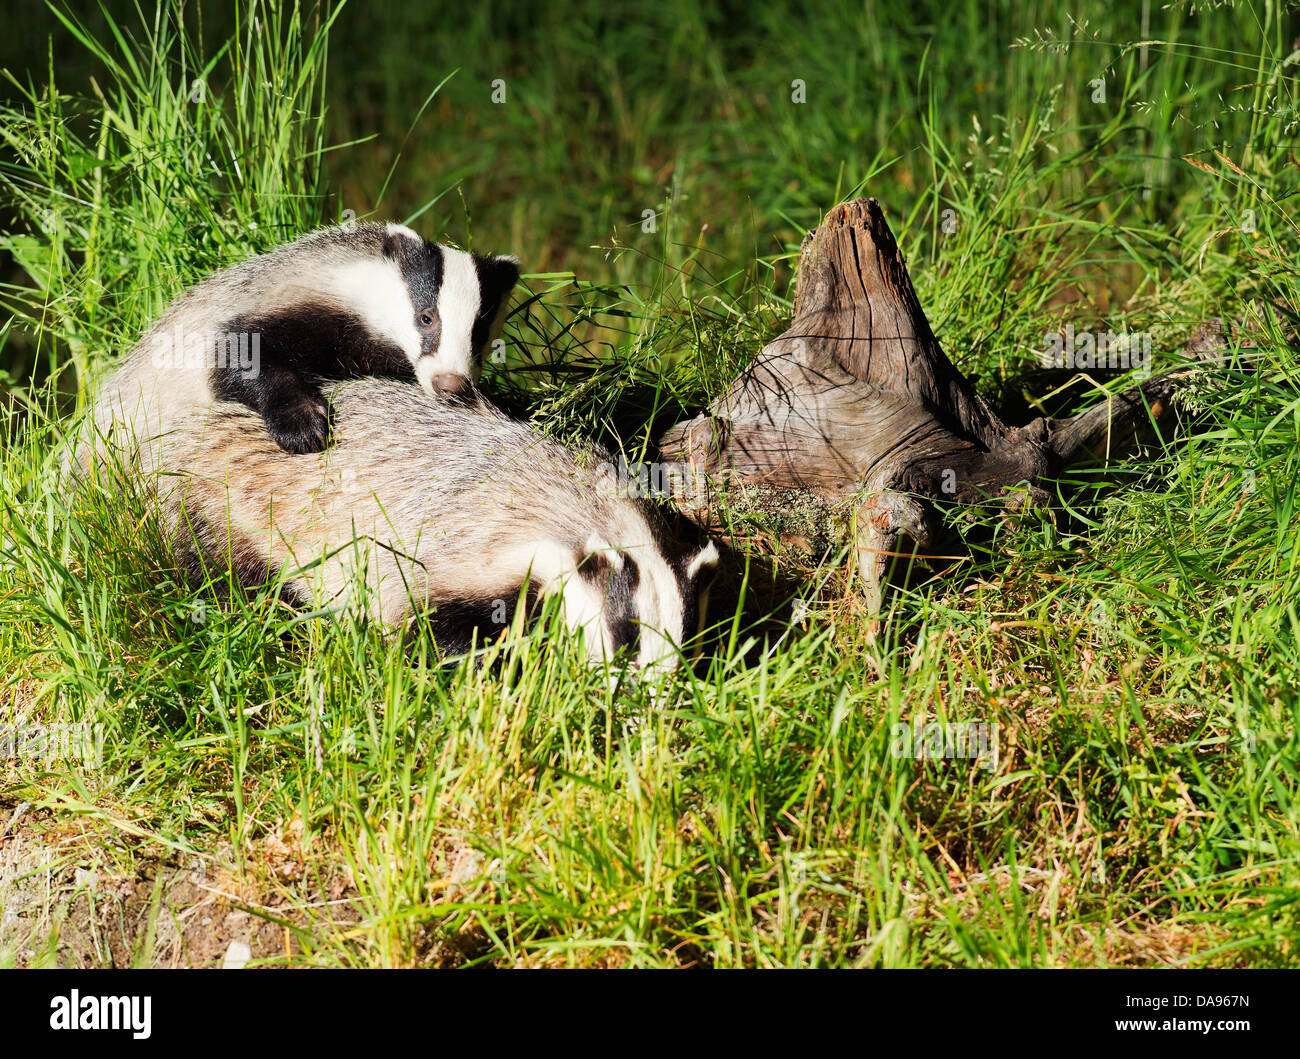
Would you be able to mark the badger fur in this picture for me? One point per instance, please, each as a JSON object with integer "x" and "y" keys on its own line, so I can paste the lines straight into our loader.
{"x": 452, "y": 515}
{"x": 345, "y": 302}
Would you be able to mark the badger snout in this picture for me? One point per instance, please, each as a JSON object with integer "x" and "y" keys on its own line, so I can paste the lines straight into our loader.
{"x": 450, "y": 386}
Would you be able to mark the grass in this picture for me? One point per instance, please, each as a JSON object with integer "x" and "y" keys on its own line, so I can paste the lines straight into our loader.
{"x": 298, "y": 785}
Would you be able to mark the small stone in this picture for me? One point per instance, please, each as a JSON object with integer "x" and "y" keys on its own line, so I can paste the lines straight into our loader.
{"x": 237, "y": 956}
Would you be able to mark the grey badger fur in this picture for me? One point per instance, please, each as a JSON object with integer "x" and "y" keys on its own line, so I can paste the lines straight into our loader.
{"x": 346, "y": 302}
{"x": 452, "y": 514}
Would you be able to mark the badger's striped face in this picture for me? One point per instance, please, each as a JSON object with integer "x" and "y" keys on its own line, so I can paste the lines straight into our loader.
{"x": 631, "y": 602}
{"x": 453, "y": 304}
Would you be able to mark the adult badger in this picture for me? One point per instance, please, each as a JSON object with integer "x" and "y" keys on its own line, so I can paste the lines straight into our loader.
{"x": 453, "y": 513}
{"x": 369, "y": 299}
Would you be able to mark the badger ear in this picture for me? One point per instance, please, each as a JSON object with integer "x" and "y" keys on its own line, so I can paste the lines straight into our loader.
{"x": 496, "y": 277}
{"x": 598, "y": 548}
{"x": 597, "y": 560}
{"x": 507, "y": 265}
{"x": 392, "y": 245}
{"x": 703, "y": 561}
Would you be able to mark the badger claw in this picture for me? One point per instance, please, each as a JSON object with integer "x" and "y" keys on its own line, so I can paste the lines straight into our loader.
{"x": 301, "y": 426}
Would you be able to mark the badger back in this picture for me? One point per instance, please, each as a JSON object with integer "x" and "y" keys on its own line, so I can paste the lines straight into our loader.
{"x": 429, "y": 504}
{"x": 167, "y": 373}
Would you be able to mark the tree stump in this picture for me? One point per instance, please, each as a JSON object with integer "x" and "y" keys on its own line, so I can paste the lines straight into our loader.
{"x": 857, "y": 406}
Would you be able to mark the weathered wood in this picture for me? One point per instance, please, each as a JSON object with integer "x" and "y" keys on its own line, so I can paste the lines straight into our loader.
{"x": 857, "y": 403}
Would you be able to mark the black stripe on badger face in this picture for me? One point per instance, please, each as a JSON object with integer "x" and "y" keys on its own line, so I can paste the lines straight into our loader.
{"x": 422, "y": 267}
{"x": 616, "y": 578}
{"x": 290, "y": 349}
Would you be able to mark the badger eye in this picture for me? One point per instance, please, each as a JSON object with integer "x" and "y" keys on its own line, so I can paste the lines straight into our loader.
{"x": 426, "y": 320}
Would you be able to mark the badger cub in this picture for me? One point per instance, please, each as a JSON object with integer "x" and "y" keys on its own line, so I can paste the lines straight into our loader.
{"x": 341, "y": 303}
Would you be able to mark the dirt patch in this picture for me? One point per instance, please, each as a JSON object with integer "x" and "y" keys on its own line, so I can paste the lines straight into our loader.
{"x": 72, "y": 898}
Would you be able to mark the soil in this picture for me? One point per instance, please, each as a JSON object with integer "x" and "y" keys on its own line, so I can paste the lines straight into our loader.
{"x": 76, "y": 896}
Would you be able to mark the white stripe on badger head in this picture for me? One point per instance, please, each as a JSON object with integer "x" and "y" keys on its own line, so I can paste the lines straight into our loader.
{"x": 458, "y": 304}
{"x": 375, "y": 290}
{"x": 661, "y": 611}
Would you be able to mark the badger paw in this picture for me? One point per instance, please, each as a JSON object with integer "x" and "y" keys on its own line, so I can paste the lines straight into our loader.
{"x": 301, "y": 425}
